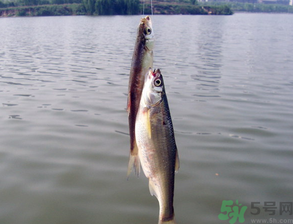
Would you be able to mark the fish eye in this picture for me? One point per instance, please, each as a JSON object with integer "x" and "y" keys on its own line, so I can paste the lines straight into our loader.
{"x": 158, "y": 82}
{"x": 147, "y": 31}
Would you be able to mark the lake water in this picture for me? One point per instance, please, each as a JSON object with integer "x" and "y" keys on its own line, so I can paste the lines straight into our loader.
{"x": 64, "y": 142}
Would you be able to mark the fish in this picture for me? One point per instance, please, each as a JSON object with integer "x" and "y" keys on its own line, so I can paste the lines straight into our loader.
{"x": 156, "y": 143}
{"x": 142, "y": 60}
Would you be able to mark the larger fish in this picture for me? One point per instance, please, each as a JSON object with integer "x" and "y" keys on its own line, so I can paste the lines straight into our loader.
{"x": 156, "y": 143}
{"x": 142, "y": 60}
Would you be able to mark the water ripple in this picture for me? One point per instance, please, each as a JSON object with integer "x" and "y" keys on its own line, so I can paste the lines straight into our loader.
{"x": 64, "y": 132}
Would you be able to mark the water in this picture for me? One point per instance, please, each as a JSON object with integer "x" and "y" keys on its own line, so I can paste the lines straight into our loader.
{"x": 63, "y": 142}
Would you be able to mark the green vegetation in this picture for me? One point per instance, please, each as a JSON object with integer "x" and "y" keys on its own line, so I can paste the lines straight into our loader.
{"x": 130, "y": 7}
{"x": 69, "y": 7}
{"x": 44, "y": 10}
{"x": 250, "y": 7}
{"x": 188, "y": 9}
{"x": 106, "y": 7}
{"x": 255, "y": 7}
{"x": 19, "y": 3}
{"x": 114, "y": 7}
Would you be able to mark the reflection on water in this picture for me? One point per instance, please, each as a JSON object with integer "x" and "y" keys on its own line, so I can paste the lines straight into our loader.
{"x": 64, "y": 135}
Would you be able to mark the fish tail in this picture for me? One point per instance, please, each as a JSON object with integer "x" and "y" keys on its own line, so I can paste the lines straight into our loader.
{"x": 167, "y": 222}
{"x": 167, "y": 218}
{"x": 133, "y": 162}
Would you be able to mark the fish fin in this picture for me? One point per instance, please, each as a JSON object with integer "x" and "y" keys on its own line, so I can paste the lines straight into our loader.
{"x": 148, "y": 122}
{"x": 133, "y": 162}
{"x": 128, "y": 103}
{"x": 177, "y": 162}
{"x": 146, "y": 112}
{"x": 152, "y": 188}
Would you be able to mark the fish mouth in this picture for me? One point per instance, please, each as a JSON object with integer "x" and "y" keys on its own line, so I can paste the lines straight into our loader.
{"x": 157, "y": 72}
{"x": 154, "y": 73}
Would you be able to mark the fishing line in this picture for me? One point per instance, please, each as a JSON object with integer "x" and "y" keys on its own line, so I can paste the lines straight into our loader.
{"x": 143, "y": 3}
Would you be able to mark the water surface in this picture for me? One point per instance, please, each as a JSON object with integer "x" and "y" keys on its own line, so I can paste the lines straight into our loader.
{"x": 64, "y": 141}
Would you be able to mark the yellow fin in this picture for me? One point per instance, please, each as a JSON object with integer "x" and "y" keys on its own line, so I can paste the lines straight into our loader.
{"x": 152, "y": 188}
{"x": 148, "y": 123}
{"x": 177, "y": 162}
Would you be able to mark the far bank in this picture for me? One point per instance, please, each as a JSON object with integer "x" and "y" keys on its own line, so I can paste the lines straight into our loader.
{"x": 98, "y": 9}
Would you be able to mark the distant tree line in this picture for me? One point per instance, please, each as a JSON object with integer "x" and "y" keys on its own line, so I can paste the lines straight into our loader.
{"x": 254, "y": 7}
{"x": 132, "y": 7}
{"x": 250, "y": 7}
{"x": 17, "y": 3}
{"x": 90, "y": 7}
{"x": 44, "y": 10}
{"x": 111, "y": 7}
{"x": 188, "y": 9}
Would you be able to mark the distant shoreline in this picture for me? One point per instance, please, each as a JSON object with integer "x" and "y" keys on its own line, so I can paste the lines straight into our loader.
{"x": 79, "y": 9}
{"x": 42, "y": 10}
{"x": 160, "y": 8}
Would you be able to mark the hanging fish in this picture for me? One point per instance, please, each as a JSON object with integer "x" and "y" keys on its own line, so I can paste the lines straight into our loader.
{"x": 157, "y": 148}
{"x": 142, "y": 60}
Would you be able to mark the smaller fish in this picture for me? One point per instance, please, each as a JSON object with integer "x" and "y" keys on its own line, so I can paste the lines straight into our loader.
{"x": 157, "y": 150}
{"x": 142, "y": 60}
